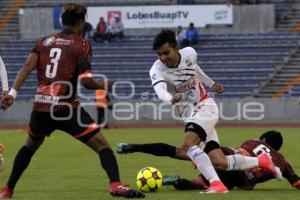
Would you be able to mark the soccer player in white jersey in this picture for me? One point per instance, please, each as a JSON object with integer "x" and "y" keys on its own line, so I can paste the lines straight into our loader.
{"x": 177, "y": 78}
{"x": 4, "y": 82}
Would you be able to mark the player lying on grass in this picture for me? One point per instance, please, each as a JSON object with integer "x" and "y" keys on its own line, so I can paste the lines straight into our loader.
{"x": 269, "y": 142}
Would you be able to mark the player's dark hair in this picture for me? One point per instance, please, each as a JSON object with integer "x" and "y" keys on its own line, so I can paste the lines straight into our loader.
{"x": 272, "y": 138}
{"x": 73, "y": 13}
{"x": 165, "y": 36}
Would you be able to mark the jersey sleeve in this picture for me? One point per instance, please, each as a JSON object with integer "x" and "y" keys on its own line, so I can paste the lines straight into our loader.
{"x": 3, "y": 76}
{"x": 85, "y": 57}
{"x": 192, "y": 54}
{"x": 156, "y": 76}
{"x": 203, "y": 77}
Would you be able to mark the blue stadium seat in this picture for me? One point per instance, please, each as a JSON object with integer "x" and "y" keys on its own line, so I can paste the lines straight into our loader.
{"x": 239, "y": 61}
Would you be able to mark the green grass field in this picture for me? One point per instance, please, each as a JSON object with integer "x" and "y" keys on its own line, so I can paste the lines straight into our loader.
{"x": 64, "y": 169}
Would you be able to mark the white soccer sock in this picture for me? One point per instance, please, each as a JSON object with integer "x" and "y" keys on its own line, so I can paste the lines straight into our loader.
{"x": 238, "y": 162}
{"x": 201, "y": 159}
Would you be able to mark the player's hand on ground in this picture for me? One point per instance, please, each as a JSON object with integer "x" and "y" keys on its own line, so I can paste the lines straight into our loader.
{"x": 176, "y": 98}
{"x": 297, "y": 184}
{"x": 218, "y": 87}
{"x": 6, "y": 102}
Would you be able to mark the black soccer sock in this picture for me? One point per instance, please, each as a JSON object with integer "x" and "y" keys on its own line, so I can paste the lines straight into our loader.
{"x": 109, "y": 164}
{"x": 157, "y": 149}
{"x": 184, "y": 184}
{"x": 21, "y": 162}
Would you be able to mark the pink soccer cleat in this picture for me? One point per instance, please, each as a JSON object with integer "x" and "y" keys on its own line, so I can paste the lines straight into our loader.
{"x": 6, "y": 193}
{"x": 216, "y": 187}
{"x": 265, "y": 162}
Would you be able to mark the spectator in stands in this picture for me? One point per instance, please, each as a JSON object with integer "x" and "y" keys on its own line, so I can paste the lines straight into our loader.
{"x": 86, "y": 34}
{"x": 192, "y": 34}
{"x": 101, "y": 31}
{"x": 181, "y": 37}
{"x": 117, "y": 28}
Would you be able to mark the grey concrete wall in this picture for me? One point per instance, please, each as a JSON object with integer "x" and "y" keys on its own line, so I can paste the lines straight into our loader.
{"x": 35, "y": 22}
{"x": 137, "y": 112}
{"x": 38, "y": 22}
{"x": 254, "y": 18}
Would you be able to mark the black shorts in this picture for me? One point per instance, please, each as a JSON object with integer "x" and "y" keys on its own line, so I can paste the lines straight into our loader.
{"x": 79, "y": 124}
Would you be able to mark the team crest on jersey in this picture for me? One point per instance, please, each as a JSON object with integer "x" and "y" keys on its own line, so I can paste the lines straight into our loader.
{"x": 188, "y": 62}
{"x": 153, "y": 77}
{"x": 49, "y": 41}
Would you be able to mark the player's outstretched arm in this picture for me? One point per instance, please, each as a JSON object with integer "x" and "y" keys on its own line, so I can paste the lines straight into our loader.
{"x": 22, "y": 75}
{"x": 162, "y": 92}
{"x": 289, "y": 173}
{"x": 26, "y": 69}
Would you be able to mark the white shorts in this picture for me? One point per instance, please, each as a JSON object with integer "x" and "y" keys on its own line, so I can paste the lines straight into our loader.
{"x": 206, "y": 115}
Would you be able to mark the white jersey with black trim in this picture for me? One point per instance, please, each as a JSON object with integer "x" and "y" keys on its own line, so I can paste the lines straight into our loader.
{"x": 187, "y": 78}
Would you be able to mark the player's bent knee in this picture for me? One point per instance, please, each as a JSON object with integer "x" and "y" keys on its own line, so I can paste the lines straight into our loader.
{"x": 219, "y": 163}
{"x": 211, "y": 145}
{"x": 193, "y": 127}
{"x": 185, "y": 148}
{"x": 97, "y": 142}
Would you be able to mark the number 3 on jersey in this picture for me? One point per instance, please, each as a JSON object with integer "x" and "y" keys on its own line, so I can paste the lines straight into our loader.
{"x": 51, "y": 69}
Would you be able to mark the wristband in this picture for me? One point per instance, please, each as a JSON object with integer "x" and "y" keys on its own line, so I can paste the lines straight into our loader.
{"x": 13, "y": 93}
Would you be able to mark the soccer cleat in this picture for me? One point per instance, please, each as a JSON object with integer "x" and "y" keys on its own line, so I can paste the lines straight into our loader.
{"x": 265, "y": 162}
{"x": 216, "y": 187}
{"x": 119, "y": 190}
{"x": 6, "y": 193}
{"x": 170, "y": 180}
{"x": 124, "y": 148}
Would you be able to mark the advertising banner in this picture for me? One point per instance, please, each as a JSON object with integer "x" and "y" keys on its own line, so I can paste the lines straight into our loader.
{"x": 163, "y": 16}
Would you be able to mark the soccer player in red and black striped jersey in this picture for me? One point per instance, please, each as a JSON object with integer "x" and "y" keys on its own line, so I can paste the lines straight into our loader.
{"x": 61, "y": 60}
{"x": 269, "y": 142}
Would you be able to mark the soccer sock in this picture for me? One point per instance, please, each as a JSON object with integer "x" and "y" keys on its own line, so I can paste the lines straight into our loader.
{"x": 109, "y": 164}
{"x": 21, "y": 162}
{"x": 238, "y": 162}
{"x": 204, "y": 165}
{"x": 157, "y": 149}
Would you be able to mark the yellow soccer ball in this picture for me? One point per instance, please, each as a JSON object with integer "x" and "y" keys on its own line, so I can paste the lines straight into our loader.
{"x": 149, "y": 179}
